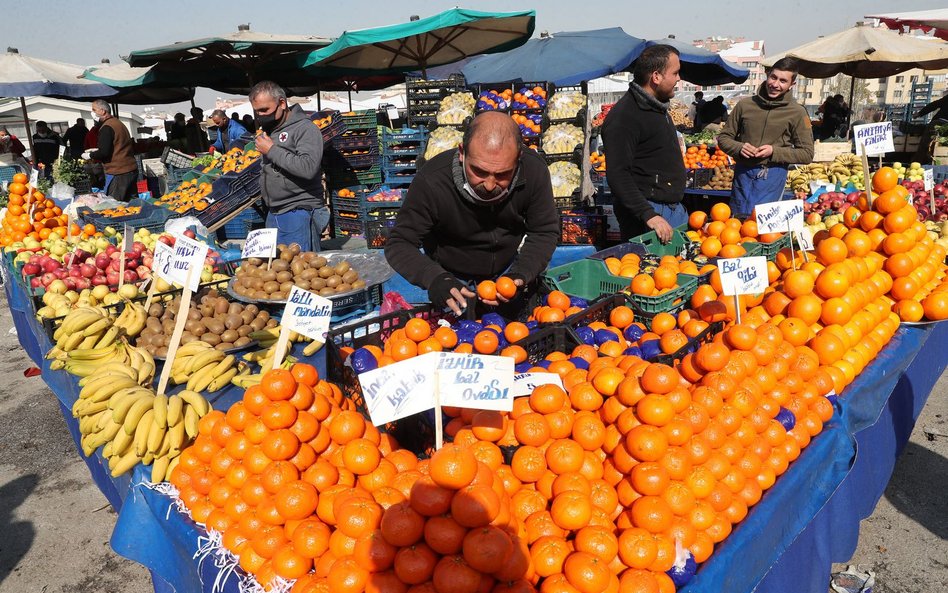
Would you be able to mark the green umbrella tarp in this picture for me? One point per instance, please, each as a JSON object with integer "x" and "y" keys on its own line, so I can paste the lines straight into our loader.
{"x": 444, "y": 38}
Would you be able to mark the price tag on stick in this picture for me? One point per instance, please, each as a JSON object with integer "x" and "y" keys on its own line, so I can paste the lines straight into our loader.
{"x": 874, "y": 139}
{"x": 401, "y": 389}
{"x": 743, "y": 275}
{"x": 260, "y": 243}
{"x": 125, "y": 247}
{"x": 181, "y": 318}
{"x": 306, "y": 313}
{"x": 778, "y": 217}
{"x": 476, "y": 381}
{"x": 525, "y": 383}
{"x": 188, "y": 254}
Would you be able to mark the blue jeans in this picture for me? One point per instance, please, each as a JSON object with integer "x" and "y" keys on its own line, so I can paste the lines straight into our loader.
{"x": 300, "y": 226}
{"x": 756, "y": 185}
{"x": 631, "y": 226}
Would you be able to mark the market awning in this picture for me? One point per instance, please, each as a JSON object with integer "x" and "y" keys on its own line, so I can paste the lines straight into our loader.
{"x": 25, "y": 76}
{"x": 702, "y": 67}
{"x": 925, "y": 20}
{"x": 139, "y": 86}
{"x": 866, "y": 52}
{"x": 568, "y": 57}
{"x": 440, "y": 39}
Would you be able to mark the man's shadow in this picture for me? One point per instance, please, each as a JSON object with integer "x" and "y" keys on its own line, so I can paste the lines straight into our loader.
{"x": 917, "y": 486}
{"x": 16, "y": 537}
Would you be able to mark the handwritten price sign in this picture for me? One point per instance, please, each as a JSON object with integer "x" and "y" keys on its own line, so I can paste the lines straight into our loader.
{"x": 743, "y": 275}
{"x": 188, "y": 254}
{"x": 307, "y": 313}
{"x": 780, "y": 217}
{"x": 876, "y": 139}
{"x": 161, "y": 264}
{"x": 260, "y": 243}
{"x": 401, "y": 389}
{"x": 476, "y": 381}
{"x": 525, "y": 383}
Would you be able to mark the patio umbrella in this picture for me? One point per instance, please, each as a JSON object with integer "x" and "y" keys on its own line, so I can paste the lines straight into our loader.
{"x": 565, "y": 58}
{"x": 440, "y": 39}
{"x": 139, "y": 86}
{"x": 702, "y": 67}
{"x": 926, "y": 20}
{"x": 23, "y": 76}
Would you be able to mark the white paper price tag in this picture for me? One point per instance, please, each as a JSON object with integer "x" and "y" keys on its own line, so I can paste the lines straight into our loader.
{"x": 307, "y": 313}
{"x": 34, "y": 178}
{"x": 743, "y": 275}
{"x": 128, "y": 237}
{"x": 876, "y": 139}
{"x": 779, "y": 217}
{"x": 401, "y": 389}
{"x": 188, "y": 254}
{"x": 260, "y": 243}
{"x": 161, "y": 263}
{"x": 476, "y": 381}
{"x": 928, "y": 178}
{"x": 392, "y": 113}
{"x": 525, "y": 383}
{"x": 805, "y": 239}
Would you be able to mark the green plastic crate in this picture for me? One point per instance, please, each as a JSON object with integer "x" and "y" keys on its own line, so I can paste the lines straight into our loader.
{"x": 769, "y": 250}
{"x": 680, "y": 244}
{"x": 586, "y": 278}
{"x": 670, "y": 300}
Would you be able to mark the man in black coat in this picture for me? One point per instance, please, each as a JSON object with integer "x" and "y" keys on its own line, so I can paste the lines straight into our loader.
{"x": 646, "y": 170}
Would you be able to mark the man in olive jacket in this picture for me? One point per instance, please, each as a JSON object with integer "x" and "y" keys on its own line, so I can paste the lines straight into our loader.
{"x": 291, "y": 174}
{"x": 764, "y": 134}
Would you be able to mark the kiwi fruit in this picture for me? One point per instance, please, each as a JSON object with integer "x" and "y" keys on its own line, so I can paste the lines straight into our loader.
{"x": 306, "y": 269}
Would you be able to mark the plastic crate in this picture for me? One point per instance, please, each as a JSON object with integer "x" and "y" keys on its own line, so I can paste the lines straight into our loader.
{"x": 361, "y": 120}
{"x": 393, "y": 137}
{"x": 587, "y": 279}
{"x": 176, "y": 158}
{"x": 706, "y": 335}
{"x": 176, "y": 175}
{"x": 680, "y": 244}
{"x": 377, "y": 232}
{"x": 100, "y": 221}
{"x": 347, "y": 177}
{"x": 546, "y": 340}
{"x": 586, "y": 226}
{"x": 569, "y": 202}
{"x": 236, "y": 199}
{"x": 580, "y": 118}
{"x": 344, "y": 227}
{"x": 342, "y": 160}
{"x": 397, "y": 163}
{"x": 598, "y": 310}
{"x": 670, "y": 300}
{"x": 939, "y": 172}
{"x": 498, "y": 87}
{"x": 400, "y": 178}
{"x": 7, "y": 173}
{"x": 373, "y": 197}
{"x": 697, "y": 178}
{"x": 381, "y": 211}
{"x": 770, "y": 250}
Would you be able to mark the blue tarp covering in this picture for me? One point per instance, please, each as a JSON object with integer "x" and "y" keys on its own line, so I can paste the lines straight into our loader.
{"x": 809, "y": 519}
{"x": 702, "y": 67}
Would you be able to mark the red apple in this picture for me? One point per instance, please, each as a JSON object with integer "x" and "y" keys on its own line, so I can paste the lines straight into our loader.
{"x": 112, "y": 276}
{"x": 102, "y": 260}
{"x": 99, "y": 279}
{"x": 130, "y": 276}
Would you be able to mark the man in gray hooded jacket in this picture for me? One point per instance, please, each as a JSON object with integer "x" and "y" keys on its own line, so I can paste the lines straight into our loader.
{"x": 291, "y": 179}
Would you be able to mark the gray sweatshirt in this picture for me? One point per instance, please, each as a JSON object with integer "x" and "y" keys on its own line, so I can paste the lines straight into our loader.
{"x": 291, "y": 176}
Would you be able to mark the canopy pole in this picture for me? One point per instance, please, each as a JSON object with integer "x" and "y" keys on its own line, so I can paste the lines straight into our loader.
{"x": 349, "y": 91}
{"x": 192, "y": 98}
{"x": 29, "y": 133}
{"x": 852, "y": 92}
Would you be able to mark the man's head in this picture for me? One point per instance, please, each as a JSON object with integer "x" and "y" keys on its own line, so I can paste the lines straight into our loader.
{"x": 657, "y": 71}
{"x": 179, "y": 118}
{"x": 781, "y": 77}
{"x": 197, "y": 113}
{"x": 699, "y": 95}
{"x": 490, "y": 155}
{"x": 219, "y": 118}
{"x": 4, "y": 132}
{"x": 42, "y": 127}
{"x": 81, "y": 122}
{"x": 268, "y": 100}
{"x": 100, "y": 110}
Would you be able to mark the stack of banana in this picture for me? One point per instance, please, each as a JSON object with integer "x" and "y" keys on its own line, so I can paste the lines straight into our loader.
{"x": 846, "y": 168}
{"x": 203, "y": 367}
{"x": 88, "y": 337}
{"x": 134, "y": 425}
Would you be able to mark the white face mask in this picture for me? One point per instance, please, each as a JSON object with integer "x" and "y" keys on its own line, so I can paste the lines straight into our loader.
{"x": 95, "y": 116}
{"x": 496, "y": 198}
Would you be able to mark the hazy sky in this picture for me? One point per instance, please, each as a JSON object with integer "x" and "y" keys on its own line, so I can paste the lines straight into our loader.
{"x": 83, "y": 32}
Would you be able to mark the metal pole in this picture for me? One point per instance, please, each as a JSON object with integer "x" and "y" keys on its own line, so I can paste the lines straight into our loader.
{"x": 192, "y": 98}
{"x": 29, "y": 133}
{"x": 349, "y": 91}
{"x": 852, "y": 91}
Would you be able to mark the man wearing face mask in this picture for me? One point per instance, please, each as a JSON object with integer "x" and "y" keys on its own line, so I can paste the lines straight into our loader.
{"x": 646, "y": 171}
{"x": 230, "y": 133}
{"x": 115, "y": 153}
{"x": 291, "y": 179}
{"x": 470, "y": 209}
{"x": 764, "y": 134}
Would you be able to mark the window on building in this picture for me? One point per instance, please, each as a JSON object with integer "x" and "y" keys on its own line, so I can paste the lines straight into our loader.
{"x": 59, "y": 127}
{"x": 899, "y": 79}
{"x": 880, "y": 94}
{"x": 882, "y": 80}
{"x": 748, "y": 64}
{"x": 897, "y": 94}
{"x": 808, "y": 95}
{"x": 937, "y": 78}
{"x": 914, "y": 78}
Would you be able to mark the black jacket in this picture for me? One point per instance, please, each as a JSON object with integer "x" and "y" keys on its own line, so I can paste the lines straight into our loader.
{"x": 292, "y": 174}
{"x": 473, "y": 241}
{"x": 645, "y": 161}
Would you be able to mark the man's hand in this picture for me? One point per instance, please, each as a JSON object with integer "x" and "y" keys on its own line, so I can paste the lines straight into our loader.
{"x": 87, "y": 155}
{"x": 661, "y": 228}
{"x": 264, "y": 143}
{"x": 500, "y": 297}
{"x": 748, "y": 150}
{"x": 458, "y": 300}
{"x": 764, "y": 151}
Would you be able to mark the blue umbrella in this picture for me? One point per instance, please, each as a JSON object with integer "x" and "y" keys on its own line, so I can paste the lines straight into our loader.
{"x": 566, "y": 58}
{"x": 702, "y": 67}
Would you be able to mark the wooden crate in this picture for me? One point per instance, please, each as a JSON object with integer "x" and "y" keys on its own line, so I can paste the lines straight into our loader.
{"x": 824, "y": 152}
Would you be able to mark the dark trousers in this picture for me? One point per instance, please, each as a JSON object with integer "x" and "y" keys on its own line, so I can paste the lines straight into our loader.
{"x": 123, "y": 186}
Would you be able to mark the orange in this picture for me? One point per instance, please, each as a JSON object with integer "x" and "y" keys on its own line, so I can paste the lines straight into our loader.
{"x": 487, "y": 290}
{"x": 720, "y": 212}
{"x": 506, "y": 287}
{"x": 884, "y": 179}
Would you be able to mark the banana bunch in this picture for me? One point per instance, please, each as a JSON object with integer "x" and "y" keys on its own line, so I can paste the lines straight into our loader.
{"x": 83, "y": 328}
{"x": 266, "y": 338}
{"x": 132, "y": 319}
{"x": 844, "y": 169}
{"x": 134, "y": 425}
{"x": 264, "y": 359}
{"x": 202, "y": 367}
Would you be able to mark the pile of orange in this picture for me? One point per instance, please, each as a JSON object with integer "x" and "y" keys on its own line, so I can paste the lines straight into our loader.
{"x": 189, "y": 195}
{"x": 31, "y": 214}
{"x": 523, "y": 120}
{"x": 234, "y": 160}
{"x": 598, "y": 161}
{"x": 699, "y": 157}
{"x": 661, "y": 279}
{"x": 722, "y": 235}
{"x": 556, "y": 307}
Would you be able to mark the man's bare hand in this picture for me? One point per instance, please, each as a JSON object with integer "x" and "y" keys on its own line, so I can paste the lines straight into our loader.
{"x": 264, "y": 143}
{"x": 764, "y": 151}
{"x": 500, "y": 297}
{"x": 749, "y": 151}
{"x": 661, "y": 228}
{"x": 458, "y": 302}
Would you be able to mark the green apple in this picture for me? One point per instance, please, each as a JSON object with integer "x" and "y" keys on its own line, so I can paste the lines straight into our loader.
{"x": 128, "y": 291}
{"x": 99, "y": 292}
{"x": 109, "y": 231}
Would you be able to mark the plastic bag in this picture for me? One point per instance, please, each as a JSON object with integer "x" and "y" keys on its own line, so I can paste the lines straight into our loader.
{"x": 179, "y": 225}
{"x": 61, "y": 191}
{"x": 393, "y": 301}
{"x": 853, "y": 580}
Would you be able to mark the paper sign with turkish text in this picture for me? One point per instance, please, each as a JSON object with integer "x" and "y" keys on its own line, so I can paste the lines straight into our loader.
{"x": 188, "y": 254}
{"x": 805, "y": 239}
{"x": 307, "y": 313}
{"x": 476, "y": 381}
{"x": 875, "y": 138}
{"x": 161, "y": 263}
{"x": 928, "y": 178}
{"x": 525, "y": 383}
{"x": 743, "y": 275}
{"x": 779, "y": 217}
{"x": 401, "y": 389}
{"x": 260, "y": 243}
